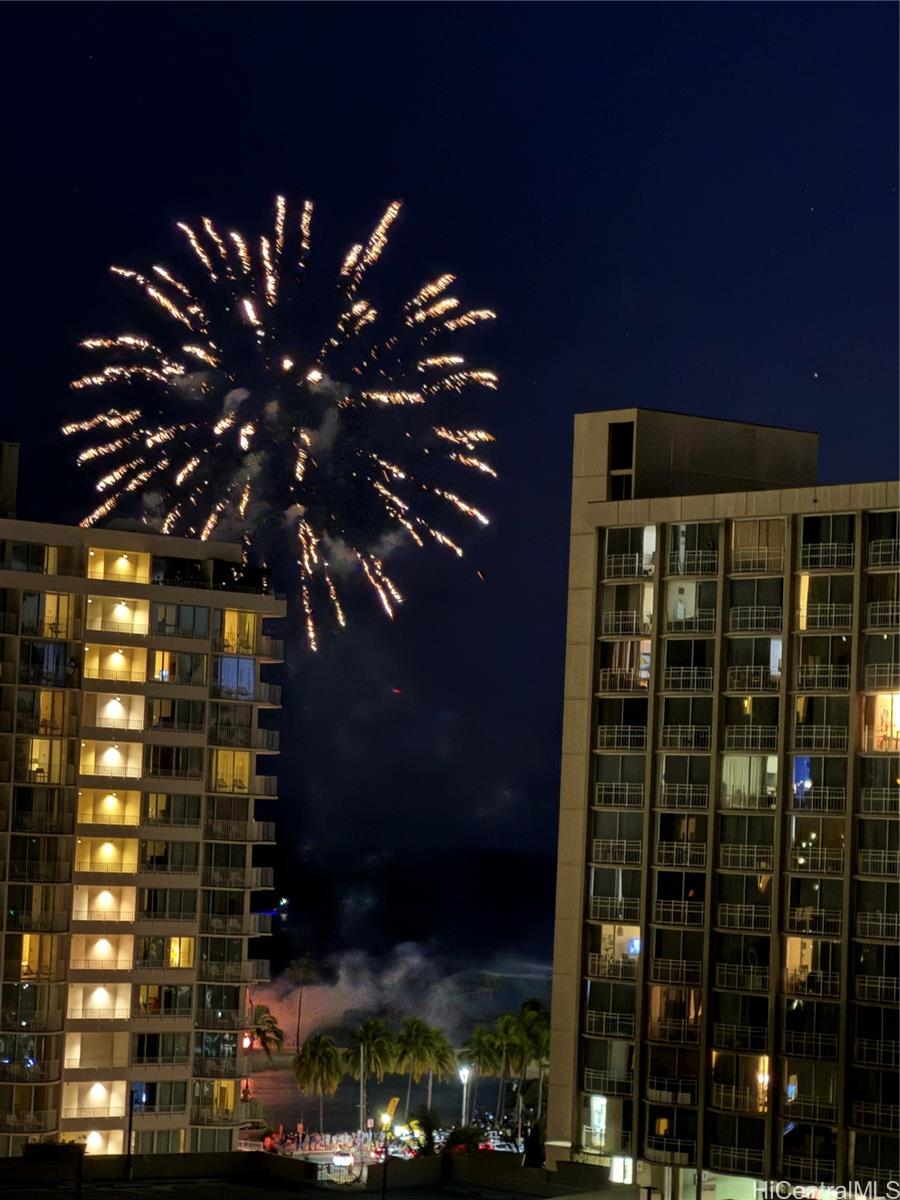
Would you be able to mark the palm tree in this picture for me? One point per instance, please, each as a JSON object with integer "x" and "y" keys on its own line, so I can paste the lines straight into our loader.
{"x": 532, "y": 1025}
{"x": 483, "y": 1055}
{"x": 506, "y": 1030}
{"x": 319, "y": 1069}
{"x": 413, "y": 1046}
{"x": 300, "y": 973}
{"x": 441, "y": 1060}
{"x": 371, "y": 1050}
{"x": 265, "y": 1029}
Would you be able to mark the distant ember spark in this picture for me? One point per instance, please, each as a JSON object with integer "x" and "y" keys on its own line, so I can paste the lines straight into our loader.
{"x": 295, "y": 415}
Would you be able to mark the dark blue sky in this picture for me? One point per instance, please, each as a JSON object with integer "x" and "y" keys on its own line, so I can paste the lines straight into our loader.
{"x": 691, "y": 207}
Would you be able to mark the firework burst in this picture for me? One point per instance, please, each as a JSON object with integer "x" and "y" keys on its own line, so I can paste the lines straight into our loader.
{"x": 291, "y": 414}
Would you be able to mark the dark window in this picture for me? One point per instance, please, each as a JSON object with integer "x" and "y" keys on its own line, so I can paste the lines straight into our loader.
{"x": 621, "y": 445}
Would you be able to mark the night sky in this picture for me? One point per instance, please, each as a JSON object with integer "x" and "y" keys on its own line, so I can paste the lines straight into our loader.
{"x": 690, "y": 207}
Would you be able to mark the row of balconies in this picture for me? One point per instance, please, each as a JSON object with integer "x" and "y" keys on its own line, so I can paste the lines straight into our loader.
{"x": 745, "y": 680}
{"x": 883, "y": 552}
{"x": 744, "y": 737}
{"x": 880, "y": 615}
{"x": 24, "y": 871}
{"x": 680, "y": 796}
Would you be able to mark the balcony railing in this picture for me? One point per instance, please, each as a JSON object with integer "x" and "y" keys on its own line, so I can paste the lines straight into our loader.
{"x": 757, "y": 559}
{"x": 755, "y": 618}
{"x": 879, "y": 800}
{"x": 745, "y": 856}
{"x": 238, "y": 877}
{"x": 211, "y": 1067}
{"x": 881, "y": 989}
{"x": 203, "y": 1115}
{"x": 102, "y": 625}
{"x": 36, "y": 922}
{"x": 685, "y": 737}
{"x": 607, "y": 908}
{"x": 799, "y": 1169}
{"x": 752, "y": 679}
{"x": 625, "y": 622}
{"x": 618, "y": 795}
{"x": 243, "y": 736}
{"x": 177, "y": 917}
{"x": 103, "y": 914}
{"x": 739, "y": 1037}
{"x": 240, "y": 831}
{"x": 884, "y": 552}
{"x": 819, "y": 860}
{"x": 868, "y": 1115}
{"x": 100, "y": 964}
{"x": 751, "y": 737}
{"x": 621, "y": 737}
{"x": 800, "y": 981}
{"x": 823, "y": 678}
{"x": 826, "y": 555}
{"x": 608, "y": 966}
{"x": 878, "y": 862}
{"x": 880, "y": 741}
{"x": 743, "y": 916}
{"x": 45, "y": 1071}
{"x": 102, "y": 866}
{"x": 809, "y": 1045}
{"x": 129, "y": 724}
{"x": 678, "y": 1151}
{"x": 694, "y": 562}
{"x": 607, "y": 1024}
{"x": 670, "y": 1029}
{"x": 819, "y": 799}
{"x": 688, "y": 679}
{"x": 126, "y": 675}
{"x": 607, "y": 850}
{"x": 701, "y": 621}
{"x": 246, "y": 971}
{"x": 611, "y": 679}
{"x": 737, "y": 1161}
{"x": 806, "y": 919}
{"x": 28, "y": 1122}
{"x": 229, "y": 1019}
{"x": 681, "y": 854}
{"x": 741, "y": 977}
{"x": 679, "y": 912}
{"x": 676, "y": 970}
{"x": 152, "y": 1012}
{"x": 262, "y": 693}
{"x": 876, "y": 1052}
{"x": 251, "y": 925}
{"x": 40, "y": 822}
{"x": 882, "y": 677}
{"x": 827, "y": 616}
{"x": 734, "y": 1098}
{"x": 158, "y": 867}
{"x": 684, "y": 795}
{"x": 14, "y": 968}
{"x": 809, "y": 1108}
{"x": 23, "y": 871}
{"x": 820, "y": 737}
{"x": 883, "y": 614}
{"x": 628, "y": 566}
{"x": 663, "y": 1089}
{"x": 608, "y": 1082}
{"x": 109, "y": 1013}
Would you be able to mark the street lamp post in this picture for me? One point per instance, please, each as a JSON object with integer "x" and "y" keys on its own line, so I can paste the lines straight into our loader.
{"x": 464, "y": 1080}
{"x": 386, "y": 1126}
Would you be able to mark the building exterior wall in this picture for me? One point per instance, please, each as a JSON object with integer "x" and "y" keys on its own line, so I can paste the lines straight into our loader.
{"x": 131, "y": 762}
{"x": 726, "y": 957}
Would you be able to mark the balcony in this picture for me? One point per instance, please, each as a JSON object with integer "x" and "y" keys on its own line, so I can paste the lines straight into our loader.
{"x": 263, "y": 693}
{"x": 798, "y": 1169}
{"x": 751, "y": 737}
{"x": 884, "y": 552}
{"x": 618, "y": 795}
{"x": 733, "y": 1160}
{"x": 210, "y": 1067}
{"x": 238, "y": 877}
{"x": 152, "y": 1012}
{"x": 880, "y": 989}
{"x": 46, "y": 1071}
{"x": 26, "y": 972}
{"x": 743, "y": 916}
{"x": 688, "y": 679}
{"x": 236, "y": 924}
{"x": 677, "y": 1151}
{"x": 681, "y": 854}
{"x": 684, "y": 795}
{"x": 625, "y": 623}
{"x": 628, "y": 566}
{"x": 606, "y": 908}
{"x": 242, "y": 737}
{"x": 819, "y": 799}
{"x": 876, "y": 1116}
{"x": 873, "y": 1052}
{"x": 801, "y": 981}
{"x": 820, "y": 737}
{"x": 240, "y": 831}
{"x": 738, "y": 977}
{"x": 125, "y": 675}
{"x": 100, "y": 964}
{"x": 878, "y": 862}
{"x": 694, "y": 562}
{"x": 827, "y": 616}
{"x": 103, "y": 914}
{"x": 685, "y": 737}
{"x": 884, "y": 800}
{"x": 621, "y": 737}
{"x": 28, "y": 1122}
{"x": 608, "y": 966}
{"x": 676, "y": 970}
{"x": 102, "y": 625}
{"x": 613, "y": 680}
{"x": 36, "y": 922}
{"x": 228, "y": 1019}
{"x": 823, "y": 678}
{"x": 819, "y": 860}
{"x": 22, "y": 870}
{"x": 819, "y": 556}
{"x": 880, "y": 677}
{"x": 752, "y": 679}
{"x": 732, "y": 1098}
{"x": 702, "y": 621}
{"x": 807, "y": 919}
{"x": 110, "y": 1013}
{"x": 32, "y": 1022}
{"x": 608, "y": 1082}
{"x": 207, "y": 1115}
{"x": 246, "y": 971}
{"x": 627, "y": 853}
{"x": 662, "y": 1089}
{"x": 40, "y": 822}
{"x": 739, "y": 1037}
{"x": 607, "y": 1024}
{"x": 803, "y": 1044}
{"x": 808, "y": 1108}
{"x": 882, "y": 925}
{"x": 878, "y": 741}
{"x": 883, "y": 614}
{"x": 745, "y": 856}
{"x": 679, "y": 912}
{"x": 150, "y": 866}
{"x": 755, "y": 618}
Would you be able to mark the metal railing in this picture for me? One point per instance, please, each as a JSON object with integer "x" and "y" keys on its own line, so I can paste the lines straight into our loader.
{"x": 681, "y": 854}
{"x": 608, "y": 966}
{"x": 883, "y": 989}
{"x": 102, "y": 625}
{"x": 880, "y": 741}
{"x": 736, "y": 1160}
{"x": 101, "y": 866}
{"x": 806, "y": 919}
{"x": 239, "y": 877}
{"x": 100, "y": 964}
{"x": 819, "y": 799}
{"x": 664, "y": 1089}
{"x": 884, "y": 552}
{"x": 608, "y": 908}
{"x": 745, "y": 856}
{"x": 213, "y": 1116}
{"x": 98, "y": 817}
{"x": 110, "y": 1013}
{"x": 679, "y": 1032}
{"x": 751, "y": 737}
{"x": 869, "y": 1115}
{"x": 679, "y": 1151}
{"x": 739, "y": 1037}
{"x": 824, "y": 555}
{"x": 621, "y": 737}
{"x": 679, "y": 912}
{"x": 28, "y": 1122}
{"x": 611, "y": 850}
{"x": 817, "y": 859}
{"x": 155, "y": 867}
{"x": 884, "y": 676}
{"x": 826, "y": 616}
{"x": 179, "y": 917}
{"x": 878, "y": 862}
{"x": 124, "y": 676}
{"x": 879, "y": 800}
{"x": 694, "y": 562}
{"x": 625, "y": 622}
{"x": 756, "y": 559}
{"x": 734, "y": 1098}
{"x": 741, "y": 977}
{"x": 752, "y": 679}
{"x": 628, "y": 566}
{"x": 237, "y": 924}
{"x": 154, "y": 1013}
{"x": 820, "y": 737}
{"x": 45, "y": 1071}
{"x": 823, "y": 677}
{"x": 743, "y": 916}
{"x": 240, "y": 831}
{"x": 755, "y": 618}
{"x": 676, "y": 970}
{"x": 37, "y": 922}
{"x": 800, "y": 981}
{"x": 688, "y": 679}
{"x": 103, "y": 914}
{"x": 84, "y": 1063}
{"x": 684, "y": 795}
{"x": 41, "y": 822}
{"x": 22, "y": 871}
{"x": 805, "y": 1044}
{"x": 612, "y": 679}
{"x": 701, "y": 621}
{"x": 607, "y": 1024}
{"x": 618, "y": 795}
{"x": 243, "y": 736}
{"x": 608, "y": 1082}
{"x": 685, "y": 737}
{"x": 262, "y": 693}
{"x": 809, "y": 1108}
{"x": 222, "y": 1018}
{"x": 245, "y": 971}
{"x": 130, "y": 724}
{"x": 883, "y": 614}
{"x": 218, "y": 1067}
{"x": 799, "y": 1169}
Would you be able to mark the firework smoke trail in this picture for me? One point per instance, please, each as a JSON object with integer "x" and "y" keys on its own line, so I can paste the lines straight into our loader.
{"x": 294, "y": 413}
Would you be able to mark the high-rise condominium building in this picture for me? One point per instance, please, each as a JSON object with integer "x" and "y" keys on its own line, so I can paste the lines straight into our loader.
{"x": 726, "y": 959}
{"x": 130, "y": 734}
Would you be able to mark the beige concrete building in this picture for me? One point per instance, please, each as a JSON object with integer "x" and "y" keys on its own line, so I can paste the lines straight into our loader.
{"x": 726, "y": 951}
{"x": 130, "y": 748}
